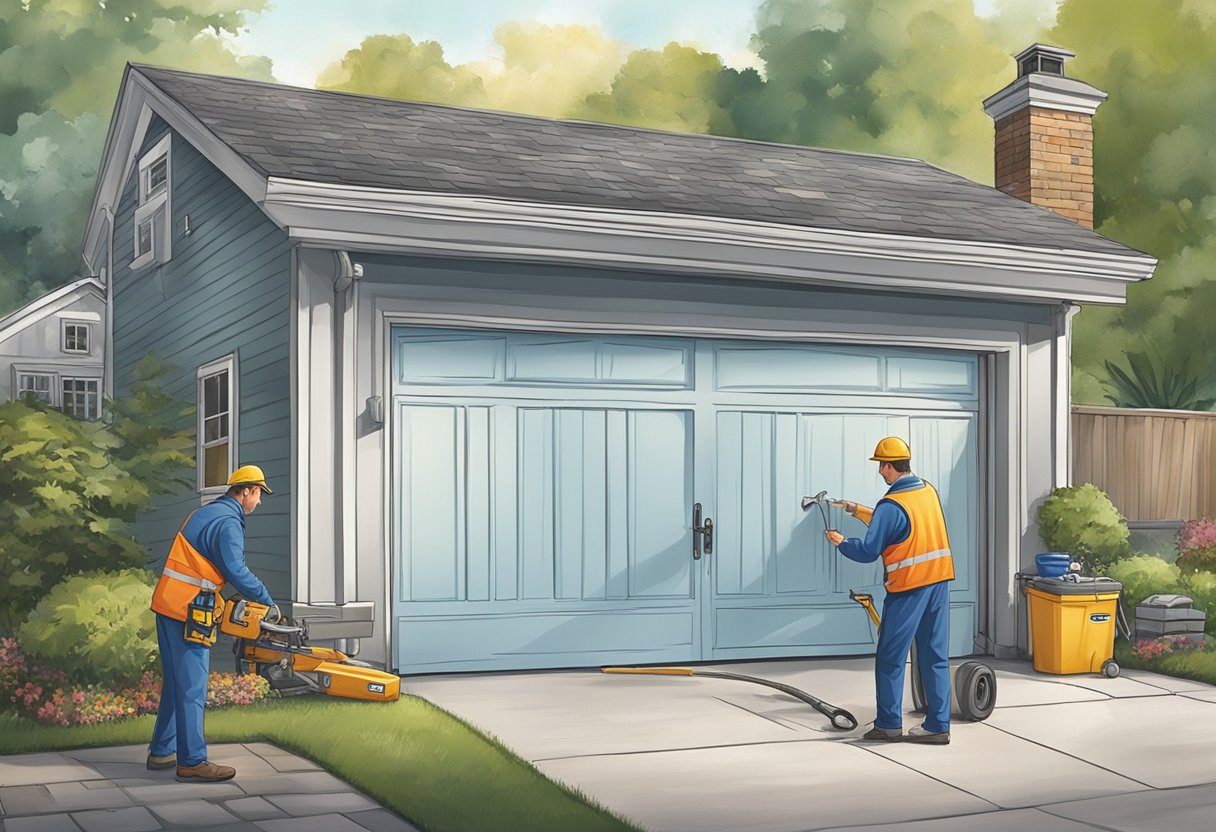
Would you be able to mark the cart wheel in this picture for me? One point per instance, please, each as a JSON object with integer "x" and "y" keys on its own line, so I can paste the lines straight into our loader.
{"x": 1110, "y": 668}
{"x": 976, "y": 688}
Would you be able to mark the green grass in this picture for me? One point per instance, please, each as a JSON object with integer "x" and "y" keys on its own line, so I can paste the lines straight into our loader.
{"x": 420, "y": 761}
{"x": 1196, "y": 665}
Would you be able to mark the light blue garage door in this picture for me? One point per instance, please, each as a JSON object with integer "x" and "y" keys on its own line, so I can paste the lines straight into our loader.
{"x": 544, "y": 488}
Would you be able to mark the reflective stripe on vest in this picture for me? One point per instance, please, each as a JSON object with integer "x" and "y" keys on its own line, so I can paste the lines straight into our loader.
{"x": 923, "y": 557}
{"x": 186, "y": 571}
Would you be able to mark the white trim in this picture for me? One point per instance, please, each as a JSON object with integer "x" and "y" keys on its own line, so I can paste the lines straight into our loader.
{"x": 1062, "y": 378}
{"x": 49, "y": 304}
{"x": 67, "y": 319}
{"x": 229, "y": 364}
{"x": 437, "y": 224}
{"x": 158, "y": 151}
{"x": 1052, "y": 92}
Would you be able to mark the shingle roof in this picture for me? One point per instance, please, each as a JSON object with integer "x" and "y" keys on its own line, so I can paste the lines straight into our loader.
{"x": 332, "y": 137}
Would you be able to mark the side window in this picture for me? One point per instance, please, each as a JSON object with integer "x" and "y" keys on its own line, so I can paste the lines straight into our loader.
{"x": 153, "y": 231}
{"x": 217, "y": 423}
{"x": 82, "y": 398}
{"x": 75, "y": 337}
{"x": 38, "y": 385}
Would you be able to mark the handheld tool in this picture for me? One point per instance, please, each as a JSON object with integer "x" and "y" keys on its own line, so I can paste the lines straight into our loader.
{"x": 841, "y": 718}
{"x": 279, "y": 651}
{"x": 818, "y": 500}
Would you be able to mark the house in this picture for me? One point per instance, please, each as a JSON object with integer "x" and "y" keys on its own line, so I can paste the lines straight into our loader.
{"x": 498, "y": 367}
{"x": 54, "y": 348}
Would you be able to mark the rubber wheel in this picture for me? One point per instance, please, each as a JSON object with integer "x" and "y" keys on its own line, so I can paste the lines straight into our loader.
{"x": 1110, "y": 668}
{"x": 976, "y": 691}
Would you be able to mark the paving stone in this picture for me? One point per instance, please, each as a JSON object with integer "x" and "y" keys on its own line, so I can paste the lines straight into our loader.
{"x": 192, "y": 813}
{"x": 290, "y": 762}
{"x": 317, "y": 804}
{"x": 298, "y": 783}
{"x": 31, "y": 769}
{"x": 254, "y": 808}
{"x": 173, "y": 790}
{"x": 41, "y": 823}
{"x": 70, "y": 797}
{"x": 121, "y": 771}
{"x": 135, "y": 819}
{"x": 111, "y": 754}
{"x": 26, "y": 800}
{"x": 99, "y": 784}
{"x": 313, "y": 823}
{"x": 381, "y": 820}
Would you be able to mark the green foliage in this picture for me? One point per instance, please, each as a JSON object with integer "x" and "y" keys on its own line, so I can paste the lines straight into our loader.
{"x": 1082, "y": 521}
{"x": 96, "y": 627}
{"x": 1172, "y": 388}
{"x": 1200, "y": 559}
{"x": 1145, "y": 575}
{"x": 1201, "y": 587}
{"x": 70, "y": 489}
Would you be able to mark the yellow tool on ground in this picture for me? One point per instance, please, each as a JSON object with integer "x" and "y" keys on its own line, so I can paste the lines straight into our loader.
{"x": 972, "y": 685}
{"x": 279, "y": 652}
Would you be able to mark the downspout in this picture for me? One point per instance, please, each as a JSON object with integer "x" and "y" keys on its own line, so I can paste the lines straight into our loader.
{"x": 108, "y": 351}
{"x": 1062, "y": 384}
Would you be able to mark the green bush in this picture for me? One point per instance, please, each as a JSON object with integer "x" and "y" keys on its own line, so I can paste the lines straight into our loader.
{"x": 70, "y": 489}
{"x": 1201, "y": 587}
{"x": 1145, "y": 575}
{"x": 1200, "y": 559}
{"x": 96, "y": 627}
{"x": 1082, "y": 521}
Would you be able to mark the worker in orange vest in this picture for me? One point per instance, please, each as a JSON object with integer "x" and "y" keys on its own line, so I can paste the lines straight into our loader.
{"x": 907, "y": 529}
{"x": 208, "y": 551}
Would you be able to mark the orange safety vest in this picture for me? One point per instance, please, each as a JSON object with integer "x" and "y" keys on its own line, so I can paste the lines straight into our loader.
{"x": 923, "y": 557}
{"x": 185, "y": 573}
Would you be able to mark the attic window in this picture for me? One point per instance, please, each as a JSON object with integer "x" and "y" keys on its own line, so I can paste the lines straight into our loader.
{"x": 152, "y": 243}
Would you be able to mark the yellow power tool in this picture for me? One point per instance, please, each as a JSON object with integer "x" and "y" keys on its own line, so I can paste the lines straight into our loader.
{"x": 279, "y": 652}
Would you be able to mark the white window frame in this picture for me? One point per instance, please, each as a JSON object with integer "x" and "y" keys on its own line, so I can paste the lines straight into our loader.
{"x": 63, "y": 403}
{"x": 51, "y": 389}
{"x": 227, "y": 363}
{"x": 63, "y": 336}
{"x": 155, "y": 208}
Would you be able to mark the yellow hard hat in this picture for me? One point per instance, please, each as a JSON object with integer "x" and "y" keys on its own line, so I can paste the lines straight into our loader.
{"x": 892, "y": 449}
{"x": 249, "y": 475}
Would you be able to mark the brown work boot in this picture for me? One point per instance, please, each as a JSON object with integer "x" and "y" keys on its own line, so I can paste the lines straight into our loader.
{"x": 205, "y": 772}
{"x": 923, "y": 736}
{"x": 877, "y": 734}
{"x": 161, "y": 763}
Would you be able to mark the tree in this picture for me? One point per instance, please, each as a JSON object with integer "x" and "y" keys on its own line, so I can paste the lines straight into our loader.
{"x": 70, "y": 489}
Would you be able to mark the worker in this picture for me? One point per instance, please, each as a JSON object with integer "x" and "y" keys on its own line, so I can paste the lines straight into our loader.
{"x": 207, "y": 553}
{"x": 907, "y": 529}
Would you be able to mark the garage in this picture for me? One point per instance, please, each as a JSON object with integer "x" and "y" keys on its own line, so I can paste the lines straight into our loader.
{"x": 545, "y": 488}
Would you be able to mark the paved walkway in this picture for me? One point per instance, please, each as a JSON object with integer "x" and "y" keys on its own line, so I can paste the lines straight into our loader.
{"x": 677, "y": 754}
{"x": 110, "y": 790}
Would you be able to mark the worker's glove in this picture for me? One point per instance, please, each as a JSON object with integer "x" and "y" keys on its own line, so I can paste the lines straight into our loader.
{"x": 273, "y": 615}
{"x": 849, "y": 508}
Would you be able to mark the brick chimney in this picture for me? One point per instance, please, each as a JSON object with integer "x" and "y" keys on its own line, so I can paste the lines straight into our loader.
{"x": 1045, "y": 136}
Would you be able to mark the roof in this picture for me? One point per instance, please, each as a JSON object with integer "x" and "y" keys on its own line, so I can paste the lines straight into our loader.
{"x": 342, "y": 138}
{"x": 44, "y": 305}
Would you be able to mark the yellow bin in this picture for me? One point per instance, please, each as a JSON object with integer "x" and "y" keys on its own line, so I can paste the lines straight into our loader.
{"x": 1072, "y": 624}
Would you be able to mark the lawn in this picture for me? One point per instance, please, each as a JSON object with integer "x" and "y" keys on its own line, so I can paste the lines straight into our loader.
{"x": 420, "y": 761}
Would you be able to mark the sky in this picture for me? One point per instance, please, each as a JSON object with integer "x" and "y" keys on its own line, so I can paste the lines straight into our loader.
{"x": 302, "y": 37}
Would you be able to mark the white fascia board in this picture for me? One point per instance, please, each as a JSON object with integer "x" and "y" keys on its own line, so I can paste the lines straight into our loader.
{"x": 138, "y": 99}
{"x": 372, "y": 219}
{"x": 1048, "y": 91}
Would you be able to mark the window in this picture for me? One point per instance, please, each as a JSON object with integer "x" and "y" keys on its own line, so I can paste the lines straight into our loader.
{"x": 37, "y": 385}
{"x": 152, "y": 238}
{"x": 82, "y": 398}
{"x": 216, "y": 423}
{"x": 75, "y": 337}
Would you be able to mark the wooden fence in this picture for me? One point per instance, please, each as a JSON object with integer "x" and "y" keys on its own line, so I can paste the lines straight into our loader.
{"x": 1154, "y": 464}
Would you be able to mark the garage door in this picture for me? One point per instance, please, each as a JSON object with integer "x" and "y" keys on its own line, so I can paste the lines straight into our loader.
{"x": 544, "y": 489}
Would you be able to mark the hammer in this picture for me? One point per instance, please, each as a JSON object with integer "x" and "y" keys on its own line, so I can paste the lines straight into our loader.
{"x": 817, "y": 500}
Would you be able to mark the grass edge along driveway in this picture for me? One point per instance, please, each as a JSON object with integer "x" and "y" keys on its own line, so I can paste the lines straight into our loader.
{"x": 422, "y": 762}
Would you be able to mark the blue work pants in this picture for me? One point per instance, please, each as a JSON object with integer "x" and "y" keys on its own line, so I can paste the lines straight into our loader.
{"x": 923, "y": 615}
{"x": 183, "y": 695}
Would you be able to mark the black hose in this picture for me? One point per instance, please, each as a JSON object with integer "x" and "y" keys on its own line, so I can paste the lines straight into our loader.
{"x": 841, "y": 718}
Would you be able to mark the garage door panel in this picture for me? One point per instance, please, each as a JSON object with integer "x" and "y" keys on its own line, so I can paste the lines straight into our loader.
{"x": 946, "y": 459}
{"x": 433, "y": 486}
{"x": 797, "y": 628}
{"x": 660, "y": 504}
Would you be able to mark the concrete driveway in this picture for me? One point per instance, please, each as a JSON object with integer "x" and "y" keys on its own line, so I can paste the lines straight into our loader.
{"x": 685, "y": 754}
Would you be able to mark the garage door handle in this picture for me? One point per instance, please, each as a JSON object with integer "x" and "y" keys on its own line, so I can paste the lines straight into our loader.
{"x": 706, "y": 532}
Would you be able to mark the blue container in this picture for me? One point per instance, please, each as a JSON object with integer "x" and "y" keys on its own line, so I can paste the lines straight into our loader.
{"x": 1052, "y": 564}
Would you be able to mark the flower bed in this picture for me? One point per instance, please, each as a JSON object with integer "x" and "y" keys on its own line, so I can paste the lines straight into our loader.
{"x": 46, "y": 695}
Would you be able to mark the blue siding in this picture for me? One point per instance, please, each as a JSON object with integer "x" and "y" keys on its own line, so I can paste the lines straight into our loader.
{"x": 227, "y": 288}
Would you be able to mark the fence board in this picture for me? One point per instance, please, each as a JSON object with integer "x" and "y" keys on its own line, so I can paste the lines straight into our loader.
{"x": 1154, "y": 464}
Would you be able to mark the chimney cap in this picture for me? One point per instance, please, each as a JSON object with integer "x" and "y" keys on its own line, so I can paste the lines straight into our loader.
{"x": 1040, "y": 57}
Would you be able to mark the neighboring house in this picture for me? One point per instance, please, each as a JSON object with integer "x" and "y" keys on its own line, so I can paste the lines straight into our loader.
{"x": 54, "y": 348}
{"x": 495, "y": 365}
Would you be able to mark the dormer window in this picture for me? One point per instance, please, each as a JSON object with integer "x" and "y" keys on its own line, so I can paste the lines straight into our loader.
{"x": 1047, "y": 60}
{"x": 152, "y": 240}
{"x": 75, "y": 337}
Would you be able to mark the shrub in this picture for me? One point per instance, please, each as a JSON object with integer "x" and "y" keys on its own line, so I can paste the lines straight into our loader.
{"x": 1201, "y": 587}
{"x": 1142, "y": 576}
{"x": 1197, "y": 546}
{"x": 70, "y": 489}
{"x": 97, "y": 627}
{"x": 1082, "y": 521}
{"x": 1149, "y": 649}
